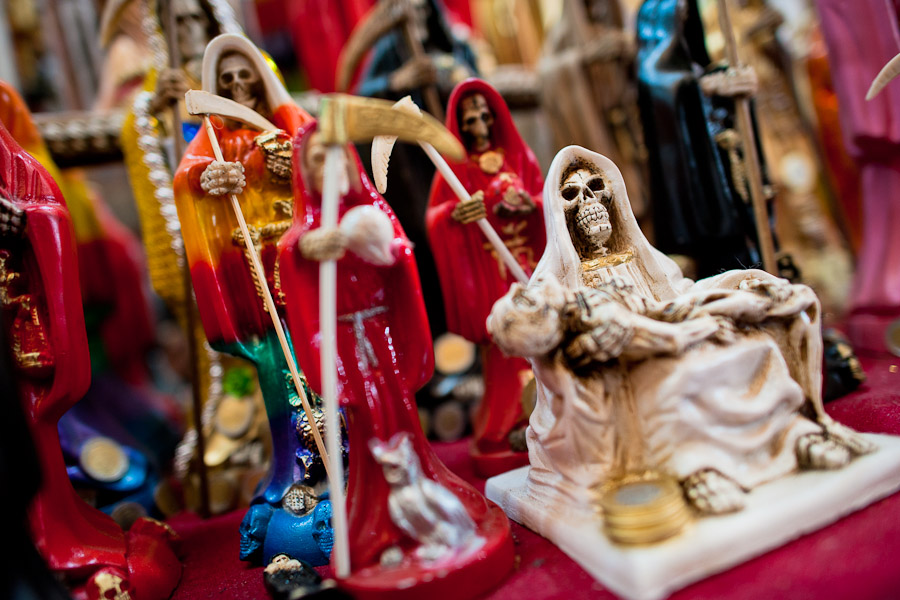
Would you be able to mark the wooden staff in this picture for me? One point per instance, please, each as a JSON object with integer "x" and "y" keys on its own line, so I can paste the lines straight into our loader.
{"x": 334, "y": 165}
{"x": 171, "y": 34}
{"x": 748, "y": 138}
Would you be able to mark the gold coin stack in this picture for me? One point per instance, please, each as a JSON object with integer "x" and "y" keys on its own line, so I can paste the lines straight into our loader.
{"x": 644, "y": 509}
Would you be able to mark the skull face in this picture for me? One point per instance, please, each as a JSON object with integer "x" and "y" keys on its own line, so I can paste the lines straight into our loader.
{"x": 108, "y": 585}
{"x": 192, "y": 26}
{"x": 239, "y": 80}
{"x": 476, "y": 121}
{"x": 585, "y": 201}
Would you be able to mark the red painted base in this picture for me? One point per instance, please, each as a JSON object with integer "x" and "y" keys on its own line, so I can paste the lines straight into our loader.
{"x": 153, "y": 567}
{"x": 867, "y": 332}
{"x": 488, "y": 464}
{"x": 470, "y": 577}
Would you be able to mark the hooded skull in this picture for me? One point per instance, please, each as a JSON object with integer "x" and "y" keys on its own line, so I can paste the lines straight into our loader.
{"x": 239, "y": 80}
{"x": 586, "y": 200}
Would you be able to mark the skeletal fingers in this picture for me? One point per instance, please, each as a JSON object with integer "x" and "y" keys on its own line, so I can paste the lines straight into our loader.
{"x": 734, "y": 81}
{"x": 818, "y": 451}
{"x": 221, "y": 178}
{"x": 470, "y": 210}
{"x": 712, "y": 493}
{"x": 323, "y": 244}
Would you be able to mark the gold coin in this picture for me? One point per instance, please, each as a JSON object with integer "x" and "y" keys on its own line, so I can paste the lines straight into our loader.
{"x": 643, "y": 509}
{"x": 453, "y": 354}
{"x": 234, "y": 416}
{"x": 103, "y": 459}
{"x": 490, "y": 162}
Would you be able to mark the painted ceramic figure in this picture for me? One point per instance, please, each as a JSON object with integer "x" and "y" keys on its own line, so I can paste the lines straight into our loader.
{"x": 716, "y": 382}
{"x": 699, "y": 188}
{"x": 393, "y": 72}
{"x": 861, "y": 39}
{"x": 505, "y": 176}
{"x": 590, "y": 54}
{"x": 149, "y": 145}
{"x": 121, "y": 406}
{"x": 42, "y": 300}
{"x": 414, "y": 527}
{"x": 286, "y": 513}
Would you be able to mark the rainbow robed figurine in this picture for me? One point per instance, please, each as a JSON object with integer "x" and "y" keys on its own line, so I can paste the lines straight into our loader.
{"x": 287, "y": 515}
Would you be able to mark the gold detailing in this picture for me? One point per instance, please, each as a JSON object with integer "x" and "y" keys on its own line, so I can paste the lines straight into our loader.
{"x": 610, "y": 260}
{"x": 517, "y": 244}
{"x": 643, "y": 508}
{"x": 37, "y": 359}
{"x": 490, "y": 162}
{"x": 103, "y": 459}
{"x": 278, "y": 153}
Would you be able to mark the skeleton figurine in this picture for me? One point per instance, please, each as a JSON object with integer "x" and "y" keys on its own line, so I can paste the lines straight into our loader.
{"x": 640, "y": 368}
{"x": 504, "y": 179}
{"x": 229, "y": 293}
{"x": 425, "y": 510}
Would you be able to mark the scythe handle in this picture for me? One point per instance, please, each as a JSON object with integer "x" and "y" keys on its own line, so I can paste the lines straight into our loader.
{"x": 256, "y": 265}
{"x": 748, "y": 138}
{"x": 334, "y": 164}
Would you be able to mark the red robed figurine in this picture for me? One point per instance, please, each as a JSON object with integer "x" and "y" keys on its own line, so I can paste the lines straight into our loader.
{"x": 39, "y": 289}
{"x": 384, "y": 354}
{"x": 502, "y": 168}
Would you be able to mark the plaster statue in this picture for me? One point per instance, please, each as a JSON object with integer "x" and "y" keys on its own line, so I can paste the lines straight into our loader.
{"x": 717, "y": 382}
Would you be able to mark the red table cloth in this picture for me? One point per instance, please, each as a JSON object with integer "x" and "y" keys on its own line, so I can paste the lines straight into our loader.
{"x": 856, "y": 557}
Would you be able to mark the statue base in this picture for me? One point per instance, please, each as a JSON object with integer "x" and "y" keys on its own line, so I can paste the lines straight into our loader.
{"x": 775, "y": 513}
{"x": 488, "y": 464}
{"x": 470, "y": 576}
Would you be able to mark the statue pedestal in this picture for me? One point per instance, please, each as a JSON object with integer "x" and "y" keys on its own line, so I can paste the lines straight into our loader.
{"x": 776, "y": 513}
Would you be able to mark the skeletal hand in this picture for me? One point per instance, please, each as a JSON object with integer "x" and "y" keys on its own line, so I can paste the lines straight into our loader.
{"x": 514, "y": 202}
{"x": 222, "y": 177}
{"x": 415, "y": 73}
{"x": 470, "y": 210}
{"x": 732, "y": 82}
{"x": 171, "y": 86}
{"x": 323, "y": 244}
{"x": 786, "y": 298}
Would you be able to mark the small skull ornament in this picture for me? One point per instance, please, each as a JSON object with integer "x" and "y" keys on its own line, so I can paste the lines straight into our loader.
{"x": 239, "y": 80}
{"x": 585, "y": 201}
{"x": 108, "y": 584}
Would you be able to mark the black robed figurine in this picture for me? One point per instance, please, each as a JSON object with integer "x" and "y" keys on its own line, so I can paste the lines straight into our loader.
{"x": 699, "y": 191}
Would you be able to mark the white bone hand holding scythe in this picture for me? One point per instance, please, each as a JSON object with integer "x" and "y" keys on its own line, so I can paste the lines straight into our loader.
{"x": 381, "y": 156}
{"x": 205, "y": 104}
{"x": 344, "y": 119}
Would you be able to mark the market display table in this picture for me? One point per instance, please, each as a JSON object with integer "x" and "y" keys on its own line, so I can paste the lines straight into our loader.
{"x": 856, "y": 557}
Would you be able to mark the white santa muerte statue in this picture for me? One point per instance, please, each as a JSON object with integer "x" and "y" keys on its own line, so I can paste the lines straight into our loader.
{"x": 714, "y": 384}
